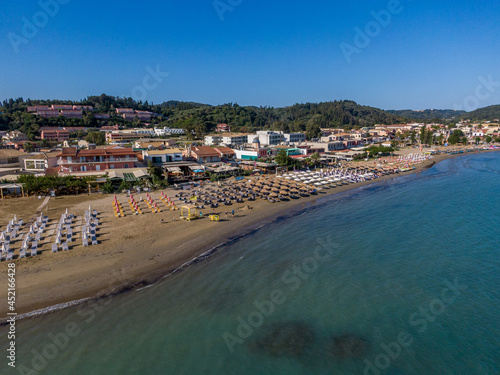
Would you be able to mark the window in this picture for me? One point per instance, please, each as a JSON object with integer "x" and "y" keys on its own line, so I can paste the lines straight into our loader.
{"x": 83, "y": 168}
{"x": 125, "y": 166}
{"x": 112, "y": 166}
{"x": 97, "y": 167}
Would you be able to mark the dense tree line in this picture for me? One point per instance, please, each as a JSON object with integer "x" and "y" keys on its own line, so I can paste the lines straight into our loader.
{"x": 490, "y": 113}
{"x": 429, "y": 115}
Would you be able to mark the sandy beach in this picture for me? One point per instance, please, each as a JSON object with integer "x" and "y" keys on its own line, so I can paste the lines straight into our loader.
{"x": 134, "y": 250}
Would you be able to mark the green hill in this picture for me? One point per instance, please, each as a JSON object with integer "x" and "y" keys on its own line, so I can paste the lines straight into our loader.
{"x": 490, "y": 113}
{"x": 428, "y": 114}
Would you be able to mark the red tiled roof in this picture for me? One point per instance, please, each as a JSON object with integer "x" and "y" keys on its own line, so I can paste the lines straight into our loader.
{"x": 225, "y": 150}
{"x": 69, "y": 151}
{"x": 204, "y": 151}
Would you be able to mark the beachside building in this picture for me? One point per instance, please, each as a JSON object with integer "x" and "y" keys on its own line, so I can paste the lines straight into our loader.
{"x": 72, "y": 113}
{"x": 213, "y": 140}
{"x": 293, "y": 137}
{"x": 54, "y": 134}
{"x": 223, "y": 128}
{"x": 313, "y": 147}
{"x": 232, "y": 139}
{"x": 121, "y": 111}
{"x": 72, "y": 160}
{"x": 266, "y": 138}
{"x": 88, "y": 108}
{"x": 10, "y": 158}
{"x": 40, "y": 162}
{"x": 15, "y": 136}
{"x": 202, "y": 154}
{"x": 225, "y": 152}
{"x": 123, "y": 136}
{"x": 62, "y": 107}
{"x": 331, "y": 146}
{"x": 109, "y": 128}
{"x": 162, "y": 156}
{"x": 49, "y": 113}
{"x": 168, "y": 131}
{"x": 251, "y": 154}
{"x": 290, "y": 151}
{"x": 154, "y": 144}
{"x": 35, "y": 108}
{"x": 134, "y": 115}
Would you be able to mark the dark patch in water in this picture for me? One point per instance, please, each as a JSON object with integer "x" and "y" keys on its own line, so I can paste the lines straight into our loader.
{"x": 290, "y": 339}
{"x": 225, "y": 298}
{"x": 348, "y": 346}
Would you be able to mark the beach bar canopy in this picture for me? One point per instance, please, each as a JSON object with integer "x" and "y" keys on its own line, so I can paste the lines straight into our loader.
{"x": 130, "y": 175}
{"x": 174, "y": 169}
{"x": 8, "y": 189}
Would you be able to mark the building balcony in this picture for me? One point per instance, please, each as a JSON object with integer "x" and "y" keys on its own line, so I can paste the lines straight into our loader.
{"x": 114, "y": 160}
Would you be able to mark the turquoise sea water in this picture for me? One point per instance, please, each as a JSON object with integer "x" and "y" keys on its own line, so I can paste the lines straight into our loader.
{"x": 358, "y": 284}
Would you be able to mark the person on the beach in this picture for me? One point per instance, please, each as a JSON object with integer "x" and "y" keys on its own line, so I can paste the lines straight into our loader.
{"x": 226, "y": 214}
{"x": 233, "y": 212}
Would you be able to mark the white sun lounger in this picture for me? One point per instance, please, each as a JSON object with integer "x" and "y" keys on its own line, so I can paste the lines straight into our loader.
{"x": 54, "y": 248}
{"x": 65, "y": 246}
{"x": 22, "y": 254}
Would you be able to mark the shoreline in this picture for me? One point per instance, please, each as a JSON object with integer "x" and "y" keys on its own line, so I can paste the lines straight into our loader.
{"x": 178, "y": 253}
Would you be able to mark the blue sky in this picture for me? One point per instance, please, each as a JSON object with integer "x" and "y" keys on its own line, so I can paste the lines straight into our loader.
{"x": 430, "y": 54}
